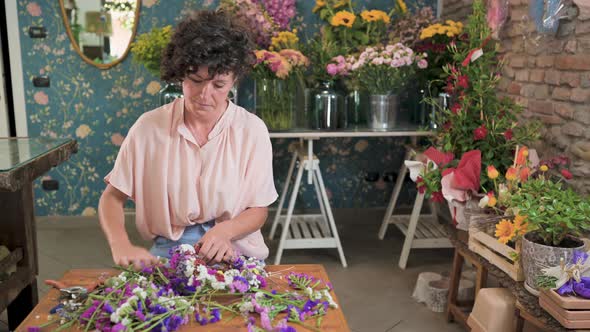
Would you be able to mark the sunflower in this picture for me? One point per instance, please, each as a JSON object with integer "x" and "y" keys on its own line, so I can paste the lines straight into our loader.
{"x": 505, "y": 231}
{"x": 375, "y": 15}
{"x": 319, "y": 4}
{"x": 344, "y": 18}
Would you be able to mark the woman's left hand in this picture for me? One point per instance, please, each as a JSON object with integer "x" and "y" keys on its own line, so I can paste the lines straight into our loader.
{"x": 215, "y": 245}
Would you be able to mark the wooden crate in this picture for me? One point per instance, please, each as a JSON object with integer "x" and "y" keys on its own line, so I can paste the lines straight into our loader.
{"x": 502, "y": 256}
{"x": 571, "y": 312}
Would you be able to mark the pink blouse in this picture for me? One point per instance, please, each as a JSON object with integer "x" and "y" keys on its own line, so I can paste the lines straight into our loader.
{"x": 175, "y": 183}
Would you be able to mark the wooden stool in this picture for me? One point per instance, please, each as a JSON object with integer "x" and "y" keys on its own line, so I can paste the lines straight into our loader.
{"x": 460, "y": 311}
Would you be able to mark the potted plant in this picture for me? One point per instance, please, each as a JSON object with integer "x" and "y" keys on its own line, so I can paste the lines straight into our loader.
{"x": 556, "y": 215}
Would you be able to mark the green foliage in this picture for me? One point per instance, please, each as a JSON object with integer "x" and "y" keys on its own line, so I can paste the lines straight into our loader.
{"x": 148, "y": 48}
{"x": 552, "y": 210}
{"x": 546, "y": 282}
{"x": 320, "y": 52}
{"x": 478, "y": 118}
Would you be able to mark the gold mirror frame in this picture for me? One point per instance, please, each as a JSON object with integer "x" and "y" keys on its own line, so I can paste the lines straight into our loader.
{"x": 64, "y": 17}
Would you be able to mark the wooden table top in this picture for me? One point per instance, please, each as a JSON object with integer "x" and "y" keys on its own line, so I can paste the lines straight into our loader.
{"x": 333, "y": 321}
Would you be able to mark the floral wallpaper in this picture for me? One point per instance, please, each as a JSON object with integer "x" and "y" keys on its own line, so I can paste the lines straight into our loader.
{"x": 97, "y": 107}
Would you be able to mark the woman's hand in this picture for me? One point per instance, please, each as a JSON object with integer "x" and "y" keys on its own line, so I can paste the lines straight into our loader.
{"x": 126, "y": 254}
{"x": 215, "y": 245}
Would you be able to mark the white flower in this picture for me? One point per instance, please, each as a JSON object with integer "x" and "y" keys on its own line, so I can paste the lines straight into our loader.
{"x": 115, "y": 317}
{"x": 308, "y": 292}
{"x": 191, "y": 281}
{"x": 126, "y": 321}
{"x": 259, "y": 295}
{"x": 483, "y": 202}
{"x": 187, "y": 248}
{"x": 218, "y": 285}
{"x": 246, "y": 307}
{"x": 330, "y": 299}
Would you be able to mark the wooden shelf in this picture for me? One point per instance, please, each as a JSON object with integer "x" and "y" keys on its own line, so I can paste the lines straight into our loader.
{"x": 12, "y": 259}
{"x": 12, "y": 287}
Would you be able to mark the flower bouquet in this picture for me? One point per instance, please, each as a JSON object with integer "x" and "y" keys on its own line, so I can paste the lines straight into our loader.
{"x": 279, "y": 76}
{"x": 186, "y": 290}
{"x": 147, "y": 49}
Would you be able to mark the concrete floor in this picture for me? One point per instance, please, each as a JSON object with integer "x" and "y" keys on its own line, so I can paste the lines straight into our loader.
{"x": 375, "y": 294}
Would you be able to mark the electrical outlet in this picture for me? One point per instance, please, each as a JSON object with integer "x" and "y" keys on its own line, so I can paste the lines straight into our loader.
{"x": 50, "y": 185}
{"x": 371, "y": 176}
{"x": 41, "y": 81}
{"x": 37, "y": 32}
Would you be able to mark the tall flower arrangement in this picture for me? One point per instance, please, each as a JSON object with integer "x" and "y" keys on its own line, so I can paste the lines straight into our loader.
{"x": 480, "y": 128}
{"x": 253, "y": 14}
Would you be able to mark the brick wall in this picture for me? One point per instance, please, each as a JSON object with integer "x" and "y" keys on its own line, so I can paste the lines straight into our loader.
{"x": 549, "y": 75}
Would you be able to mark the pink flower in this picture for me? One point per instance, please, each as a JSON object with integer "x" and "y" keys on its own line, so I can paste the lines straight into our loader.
{"x": 455, "y": 108}
{"x": 422, "y": 64}
{"x": 34, "y": 9}
{"x": 480, "y": 132}
{"x": 377, "y": 61}
{"x": 117, "y": 139}
{"x": 332, "y": 69}
{"x": 41, "y": 98}
{"x": 566, "y": 174}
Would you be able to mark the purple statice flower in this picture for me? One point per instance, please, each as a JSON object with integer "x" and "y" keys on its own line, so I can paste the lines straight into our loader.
{"x": 118, "y": 327}
{"x": 158, "y": 309}
{"x": 85, "y": 316}
{"x": 108, "y": 290}
{"x": 107, "y": 308}
{"x": 201, "y": 319}
{"x": 281, "y": 11}
{"x": 265, "y": 320}
{"x": 239, "y": 284}
{"x": 238, "y": 263}
{"x": 262, "y": 281}
{"x": 215, "y": 315}
{"x": 283, "y": 327}
{"x": 251, "y": 324}
{"x": 173, "y": 322}
{"x": 33, "y": 329}
{"x": 147, "y": 270}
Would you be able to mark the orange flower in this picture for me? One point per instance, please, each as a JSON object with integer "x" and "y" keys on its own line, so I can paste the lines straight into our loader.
{"x": 505, "y": 231}
{"x": 492, "y": 201}
{"x": 520, "y": 224}
{"x": 522, "y": 156}
{"x": 492, "y": 172}
{"x": 524, "y": 174}
{"x": 511, "y": 174}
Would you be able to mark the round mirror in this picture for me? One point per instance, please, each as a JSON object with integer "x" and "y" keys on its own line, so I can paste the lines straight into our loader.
{"x": 101, "y": 30}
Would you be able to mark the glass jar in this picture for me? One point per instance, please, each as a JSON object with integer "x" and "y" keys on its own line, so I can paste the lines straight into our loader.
{"x": 327, "y": 106}
{"x": 357, "y": 105}
{"x": 275, "y": 102}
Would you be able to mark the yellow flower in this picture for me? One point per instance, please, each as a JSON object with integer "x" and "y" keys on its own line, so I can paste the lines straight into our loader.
{"x": 340, "y": 4}
{"x": 505, "y": 231}
{"x": 520, "y": 224}
{"x": 344, "y": 18}
{"x": 544, "y": 168}
{"x": 375, "y": 15}
{"x": 402, "y": 5}
{"x": 319, "y": 4}
{"x": 284, "y": 40}
{"x": 511, "y": 174}
{"x": 492, "y": 201}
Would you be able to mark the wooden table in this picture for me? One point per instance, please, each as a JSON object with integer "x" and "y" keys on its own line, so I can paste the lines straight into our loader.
{"x": 528, "y": 304}
{"x": 22, "y": 160}
{"x": 333, "y": 321}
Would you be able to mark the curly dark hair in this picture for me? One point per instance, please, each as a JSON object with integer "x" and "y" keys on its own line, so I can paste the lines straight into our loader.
{"x": 214, "y": 39}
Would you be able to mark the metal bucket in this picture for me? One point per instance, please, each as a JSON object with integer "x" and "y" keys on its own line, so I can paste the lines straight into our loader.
{"x": 383, "y": 111}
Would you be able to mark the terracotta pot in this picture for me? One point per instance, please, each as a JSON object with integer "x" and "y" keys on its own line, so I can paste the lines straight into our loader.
{"x": 536, "y": 256}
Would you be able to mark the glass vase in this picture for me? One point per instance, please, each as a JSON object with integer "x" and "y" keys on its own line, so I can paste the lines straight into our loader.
{"x": 383, "y": 111}
{"x": 357, "y": 104}
{"x": 327, "y": 105}
{"x": 275, "y": 102}
{"x": 169, "y": 93}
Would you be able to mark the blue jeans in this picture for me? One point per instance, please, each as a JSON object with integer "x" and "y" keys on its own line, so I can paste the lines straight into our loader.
{"x": 191, "y": 235}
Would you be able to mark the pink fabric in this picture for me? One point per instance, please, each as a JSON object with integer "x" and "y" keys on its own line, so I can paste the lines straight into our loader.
{"x": 175, "y": 183}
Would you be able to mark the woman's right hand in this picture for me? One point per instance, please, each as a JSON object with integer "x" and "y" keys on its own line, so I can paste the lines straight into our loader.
{"x": 128, "y": 255}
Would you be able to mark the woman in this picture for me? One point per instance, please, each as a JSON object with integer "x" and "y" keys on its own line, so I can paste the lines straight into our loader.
{"x": 200, "y": 168}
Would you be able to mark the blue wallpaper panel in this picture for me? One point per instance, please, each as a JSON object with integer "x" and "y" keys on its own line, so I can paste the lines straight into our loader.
{"x": 97, "y": 107}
